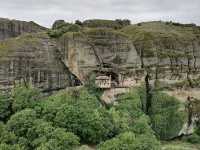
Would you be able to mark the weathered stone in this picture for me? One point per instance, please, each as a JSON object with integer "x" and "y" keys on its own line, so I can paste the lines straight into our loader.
{"x": 98, "y": 50}
{"x": 33, "y": 59}
{"x": 14, "y": 28}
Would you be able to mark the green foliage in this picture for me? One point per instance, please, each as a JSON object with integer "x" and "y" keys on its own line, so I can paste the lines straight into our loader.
{"x": 4, "y": 146}
{"x": 5, "y": 106}
{"x": 48, "y": 108}
{"x": 92, "y": 87}
{"x": 193, "y": 139}
{"x": 58, "y": 139}
{"x": 121, "y": 121}
{"x": 24, "y": 97}
{"x": 92, "y": 125}
{"x": 6, "y": 136}
{"x": 61, "y": 121}
{"x": 62, "y": 29}
{"x": 20, "y": 122}
{"x": 59, "y": 24}
{"x": 179, "y": 145}
{"x": 130, "y": 103}
{"x": 142, "y": 126}
{"x": 35, "y": 133}
{"x": 128, "y": 141}
{"x": 167, "y": 116}
{"x": 100, "y": 23}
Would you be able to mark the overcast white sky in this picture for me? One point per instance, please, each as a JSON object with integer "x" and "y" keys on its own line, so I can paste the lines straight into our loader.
{"x": 45, "y": 12}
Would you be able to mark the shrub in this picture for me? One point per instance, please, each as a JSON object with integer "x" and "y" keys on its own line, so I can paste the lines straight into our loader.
{"x": 193, "y": 139}
{"x": 59, "y": 24}
{"x": 167, "y": 116}
{"x": 130, "y": 103}
{"x": 128, "y": 140}
{"x": 58, "y": 32}
{"x": 121, "y": 121}
{"x": 59, "y": 140}
{"x": 142, "y": 126}
{"x": 6, "y": 136}
{"x": 4, "y": 146}
{"x": 5, "y": 106}
{"x": 92, "y": 125}
{"x": 24, "y": 97}
{"x": 21, "y": 122}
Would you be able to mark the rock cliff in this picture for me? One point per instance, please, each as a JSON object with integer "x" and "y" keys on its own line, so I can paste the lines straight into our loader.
{"x": 167, "y": 51}
{"x": 33, "y": 59}
{"x": 166, "y": 46}
{"x": 98, "y": 50}
{"x": 14, "y": 28}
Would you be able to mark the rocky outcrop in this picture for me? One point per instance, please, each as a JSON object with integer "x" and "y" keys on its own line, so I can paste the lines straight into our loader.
{"x": 14, "y": 28}
{"x": 33, "y": 59}
{"x": 166, "y": 51}
{"x": 172, "y": 50}
{"x": 98, "y": 50}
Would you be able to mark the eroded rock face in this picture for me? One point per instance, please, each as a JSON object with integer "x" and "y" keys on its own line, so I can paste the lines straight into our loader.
{"x": 14, "y": 28}
{"x": 98, "y": 50}
{"x": 169, "y": 50}
{"x": 33, "y": 59}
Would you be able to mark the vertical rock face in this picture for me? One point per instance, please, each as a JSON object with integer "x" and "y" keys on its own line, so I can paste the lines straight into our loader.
{"x": 14, "y": 28}
{"x": 171, "y": 49}
{"x": 97, "y": 50}
{"x": 33, "y": 59}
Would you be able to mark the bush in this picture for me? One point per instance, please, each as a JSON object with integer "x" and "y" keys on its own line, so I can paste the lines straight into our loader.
{"x": 59, "y": 24}
{"x": 121, "y": 121}
{"x": 193, "y": 139}
{"x": 5, "y": 107}
{"x": 142, "y": 126}
{"x": 130, "y": 103}
{"x": 24, "y": 98}
{"x": 33, "y": 133}
{"x": 58, "y": 32}
{"x": 128, "y": 141}
{"x": 21, "y": 122}
{"x": 100, "y": 23}
{"x": 166, "y": 115}
{"x": 6, "y": 136}
{"x": 4, "y": 146}
{"x": 58, "y": 140}
{"x": 92, "y": 125}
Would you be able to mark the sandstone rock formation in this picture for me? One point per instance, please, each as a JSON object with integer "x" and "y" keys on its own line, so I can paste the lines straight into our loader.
{"x": 166, "y": 51}
{"x": 14, "y": 28}
{"x": 98, "y": 50}
{"x": 33, "y": 59}
{"x": 171, "y": 48}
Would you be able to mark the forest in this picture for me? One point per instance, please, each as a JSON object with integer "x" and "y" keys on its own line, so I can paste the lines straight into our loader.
{"x": 76, "y": 119}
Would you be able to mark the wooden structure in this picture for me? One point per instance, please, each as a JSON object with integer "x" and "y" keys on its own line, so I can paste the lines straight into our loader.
{"x": 103, "y": 82}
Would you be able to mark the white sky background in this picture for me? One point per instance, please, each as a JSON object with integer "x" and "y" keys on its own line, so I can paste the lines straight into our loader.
{"x": 45, "y": 12}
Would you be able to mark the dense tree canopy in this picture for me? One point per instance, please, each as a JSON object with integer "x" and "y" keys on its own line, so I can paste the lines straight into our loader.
{"x": 66, "y": 119}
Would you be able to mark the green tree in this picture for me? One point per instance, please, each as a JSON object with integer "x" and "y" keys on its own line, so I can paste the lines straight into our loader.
{"x": 168, "y": 115}
{"x": 130, "y": 103}
{"x": 5, "y": 107}
{"x": 43, "y": 133}
{"x": 21, "y": 122}
{"x": 4, "y": 146}
{"x": 92, "y": 125}
{"x": 6, "y": 136}
{"x": 128, "y": 141}
{"x": 24, "y": 97}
